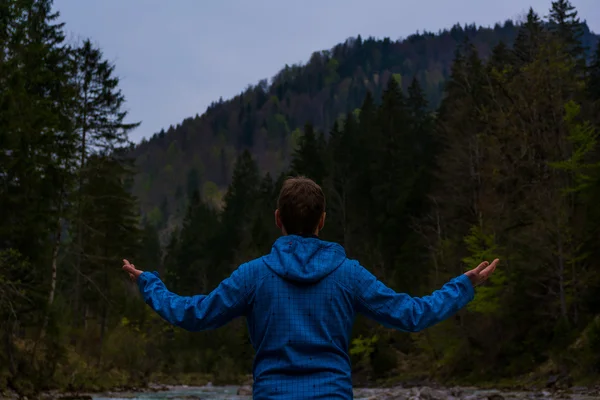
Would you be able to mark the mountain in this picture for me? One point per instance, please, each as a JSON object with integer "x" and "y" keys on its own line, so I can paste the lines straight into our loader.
{"x": 199, "y": 152}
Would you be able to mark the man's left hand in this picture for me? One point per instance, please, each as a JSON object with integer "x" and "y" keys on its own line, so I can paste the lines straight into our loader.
{"x": 134, "y": 274}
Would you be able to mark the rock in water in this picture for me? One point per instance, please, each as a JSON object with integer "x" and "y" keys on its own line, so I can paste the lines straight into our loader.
{"x": 245, "y": 390}
{"x": 76, "y": 397}
{"x": 427, "y": 393}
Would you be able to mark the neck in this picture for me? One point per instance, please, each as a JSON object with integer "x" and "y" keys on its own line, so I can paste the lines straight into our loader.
{"x": 305, "y": 235}
{"x": 309, "y": 235}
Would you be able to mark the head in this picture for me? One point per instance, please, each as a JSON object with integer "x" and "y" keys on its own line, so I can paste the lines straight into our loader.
{"x": 301, "y": 207}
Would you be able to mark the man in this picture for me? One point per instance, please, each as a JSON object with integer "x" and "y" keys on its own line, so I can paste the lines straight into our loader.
{"x": 300, "y": 302}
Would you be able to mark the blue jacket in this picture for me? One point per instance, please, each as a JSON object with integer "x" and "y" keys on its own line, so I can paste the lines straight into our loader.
{"x": 300, "y": 302}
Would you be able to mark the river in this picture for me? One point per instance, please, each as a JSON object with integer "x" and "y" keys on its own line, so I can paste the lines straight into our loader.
{"x": 230, "y": 393}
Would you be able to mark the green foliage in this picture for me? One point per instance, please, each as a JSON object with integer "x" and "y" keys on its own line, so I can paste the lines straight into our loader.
{"x": 277, "y": 127}
{"x": 295, "y": 139}
{"x": 481, "y": 246}
{"x": 211, "y": 193}
{"x": 13, "y": 284}
{"x": 155, "y": 217}
{"x": 363, "y": 346}
{"x": 583, "y": 137}
{"x": 591, "y": 348}
{"x": 308, "y": 159}
{"x": 332, "y": 75}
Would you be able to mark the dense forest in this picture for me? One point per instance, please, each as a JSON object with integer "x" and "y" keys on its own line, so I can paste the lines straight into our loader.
{"x": 268, "y": 118}
{"x": 507, "y": 165}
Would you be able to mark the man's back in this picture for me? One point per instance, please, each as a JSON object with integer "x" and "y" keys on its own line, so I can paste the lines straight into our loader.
{"x": 300, "y": 302}
{"x": 300, "y": 321}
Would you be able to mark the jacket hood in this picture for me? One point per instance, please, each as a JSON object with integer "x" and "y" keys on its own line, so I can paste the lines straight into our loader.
{"x": 304, "y": 259}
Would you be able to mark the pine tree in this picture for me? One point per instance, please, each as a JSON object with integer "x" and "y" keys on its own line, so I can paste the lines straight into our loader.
{"x": 191, "y": 270}
{"x": 263, "y": 231}
{"x": 336, "y": 185}
{"x": 100, "y": 114}
{"x": 362, "y": 143}
{"x": 455, "y": 201}
{"x": 593, "y": 84}
{"x": 565, "y": 24}
{"x": 37, "y": 140}
{"x": 239, "y": 209}
{"x": 388, "y": 155}
{"x": 193, "y": 181}
{"x": 150, "y": 252}
{"x": 112, "y": 234}
{"x": 403, "y": 122}
{"x": 308, "y": 158}
{"x": 37, "y": 147}
{"x": 424, "y": 147}
{"x": 99, "y": 118}
{"x": 171, "y": 254}
{"x": 529, "y": 39}
{"x": 164, "y": 212}
{"x": 501, "y": 58}
{"x": 348, "y": 176}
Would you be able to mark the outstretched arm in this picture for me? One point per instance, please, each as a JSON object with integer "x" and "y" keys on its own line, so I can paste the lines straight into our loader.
{"x": 195, "y": 313}
{"x": 413, "y": 314}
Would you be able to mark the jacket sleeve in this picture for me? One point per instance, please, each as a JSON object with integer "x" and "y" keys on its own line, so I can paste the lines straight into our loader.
{"x": 403, "y": 312}
{"x": 201, "y": 312}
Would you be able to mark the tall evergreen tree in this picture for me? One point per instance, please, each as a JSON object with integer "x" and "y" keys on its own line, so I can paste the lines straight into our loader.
{"x": 37, "y": 147}
{"x": 112, "y": 230}
{"x": 263, "y": 232}
{"x": 568, "y": 28}
{"x": 308, "y": 158}
{"x": 100, "y": 120}
{"x": 150, "y": 252}
{"x": 593, "y": 84}
{"x": 193, "y": 181}
{"x": 529, "y": 38}
{"x": 423, "y": 155}
{"x": 239, "y": 209}
{"x": 337, "y": 185}
{"x": 191, "y": 272}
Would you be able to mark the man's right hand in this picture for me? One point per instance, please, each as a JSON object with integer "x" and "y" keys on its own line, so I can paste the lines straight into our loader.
{"x": 482, "y": 272}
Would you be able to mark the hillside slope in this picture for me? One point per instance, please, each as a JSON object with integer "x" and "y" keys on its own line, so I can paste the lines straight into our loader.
{"x": 267, "y": 118}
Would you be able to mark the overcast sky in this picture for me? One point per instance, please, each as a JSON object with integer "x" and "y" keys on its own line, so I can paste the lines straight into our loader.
{"x": 176, "y": 56}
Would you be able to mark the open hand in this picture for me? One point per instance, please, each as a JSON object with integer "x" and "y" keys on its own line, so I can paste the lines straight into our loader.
{"x": 482, "y": 272}
{"x": 130, "y": 269}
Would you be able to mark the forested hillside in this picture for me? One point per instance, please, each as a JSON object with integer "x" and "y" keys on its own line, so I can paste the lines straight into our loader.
{"x": 268, "y": 118}
{"x": 507, "y": 166}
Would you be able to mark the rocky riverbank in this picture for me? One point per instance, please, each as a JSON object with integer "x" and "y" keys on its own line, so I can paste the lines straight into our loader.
{"x": 470, "y": 393}
{"x": 461, "y": 393}
{"x": 117, "y": 392}
{"x": 211, "y": 392}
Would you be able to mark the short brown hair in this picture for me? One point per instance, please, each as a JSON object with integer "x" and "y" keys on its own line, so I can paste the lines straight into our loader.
{"x": 301, "y": 204}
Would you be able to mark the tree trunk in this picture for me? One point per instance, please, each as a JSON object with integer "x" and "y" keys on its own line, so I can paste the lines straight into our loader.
{"x": 80, "y": 215}
{"x": 9, "y": 329}
{"x": 561, "y": 278}
{"x": 104, "y": 321}
{"x": 51, "y": 294}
